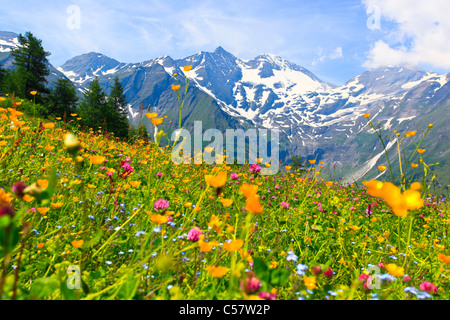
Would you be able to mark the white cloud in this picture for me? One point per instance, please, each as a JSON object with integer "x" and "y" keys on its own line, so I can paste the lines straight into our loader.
{"x": 420, "y": 35}
{"x": 335, "y": 54}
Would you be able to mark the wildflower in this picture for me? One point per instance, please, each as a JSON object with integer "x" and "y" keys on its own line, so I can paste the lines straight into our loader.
{"x": 253, "y": 205}
{"x": 366, "y": 115}
{"x": 421, "y": 150}
{"x": 414, "y": 165}
{"x": 406, "y": 278}
{"x": 291, "y": 256}
{"x": 71, "y": 143}
{"x": 194, "y": 234}
{"x": 176, "y": 87}
{"x": 151, "y": 115}
{"x": 248, "y": 189}
{"x": 187, "y": 68}
{"x": 329, "y": 184}
{"x": 48, "y": 125}
{"x": 33, "y": 93}
{"x": 285, "y": 204}
{"x": 251, "y": 284}
{"x": 328, "y": 272}
{"x": 381, "y": 168}
{"x": 310, "y": 282}
{"x": 19, "y": 188}
{"x": 316, "y": 270}
{"x": 157, "y": 121}
{"x": 159, "y": 174}
{"x": 207, "y": 246}
{"x": 161, "y": 204}
{"x": 443, "y": 258}
{"x": 77, "y": 243}
{"x": 410, "y": 133}
{"x": 301, "y": 268}
{"x": 233, "y": 245}
{"x": 254, "y": 168}
{"x": 234, "y": 176}
{"x": 97, "y": 159}
{"x": 428, "y": 287}
{"x": 226, "y": 202}
{"x": 267, "y": 295}
{"x": 312, "y": 161}
{"x": 6, "y": 210}
{"x": 217, "y": 272}
{"x": 158, "y": 218}
{"x": 216, "y": 181}
{"x": 395, "y": 270}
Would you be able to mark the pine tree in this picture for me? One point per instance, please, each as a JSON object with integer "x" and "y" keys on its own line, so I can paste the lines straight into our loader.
{"x": 32, "y": 66}
{"x": 93, "y": 107}
{"x": 63, "y": 98}
{"x": 116, "y": 118}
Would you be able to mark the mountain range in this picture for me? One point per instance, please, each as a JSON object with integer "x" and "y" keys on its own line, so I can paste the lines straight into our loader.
{"x": 316, "y": 119}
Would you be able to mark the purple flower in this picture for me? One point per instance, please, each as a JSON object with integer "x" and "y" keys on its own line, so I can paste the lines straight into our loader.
{"x": 252, "y": 285}
{"x": 285, "y": 204}
{"x": 267, "y": 295}
{"x": 159, "y": 174}
{"x": 18, "y": 188}
{"x": 254, "y": 168}
{"x": 234, "y": 176}
{"x": 194, "y": 234}
{"x": 161, "y": 204}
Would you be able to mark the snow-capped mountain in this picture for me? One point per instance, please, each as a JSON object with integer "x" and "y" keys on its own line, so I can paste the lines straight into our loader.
{"x": 316, "y": 119}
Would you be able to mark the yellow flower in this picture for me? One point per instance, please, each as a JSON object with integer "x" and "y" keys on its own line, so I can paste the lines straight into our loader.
{"x": 381, "y": 168}
{"x": 43, "y": 183}
{"x": 410, "y": 133}
{"x": 207, "y": 246}
{"x": 421, "y": 150}
{"x": 259, "y": 160}
{"x": 380, "y": 239}
{"x": 218, "y": 180}
{"x": 395, "y": 270}
{"x": 135, "y": 184}
{"x": 248, "y": 190}
{"x": 288, "y": 168}
{"x": 233, "y": 245}
{"x": 187, "y": 68}
{"x": 57, "y": 205}
{"x": 374, "y": 187}
{"x": 312, "y": 161}
{"x": 414, "y": 165}
{"x": 217, "y": 272}
{"x": 5, "y": 196}
{"x": 97, "y": 159}
{"x": 33, "y": 93}
{"x": 355, "y": 227}
{"x": 175, "y": 87}
{"x": 366, "y": 115}
{"x": 329, "y": 183}
{"x": 157, "y": 121}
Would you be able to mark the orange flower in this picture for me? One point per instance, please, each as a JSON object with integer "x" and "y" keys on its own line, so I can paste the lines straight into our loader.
{"x": 421, "y": 150}
{"x": 33, "y": 93}
{"x": 395, "y": 270}
{"x": 97, "y": 159}
{"x": 253, "y": 205}
{"x": 310, "y": 282}
{"x": 217, "y": 272}
{"x": 366, "y": 115}
{"x": 259, "y": 160}
{"x": 233, "y": 245}
{"x": 443, "y": 258}
{"x": 77, "y": 243}
{"x": 158, "y": 218}
{"x": 414, "y": 165}
{"x": 248, "y": 190}
{"x": 135, "y": 184}
{"x": 410, "y": 133}
{"x": 43, "y": 210}
{"x": 312, "y": 161}
{"x": 187, "y": 68}
{"x": 175, "y": 87}
{"x": 5, "y": 196}
{"x": 374, "y": 187}
{"x": 40, "y": 245}
{"x": 157, "y": 121}
{"x": 43, "y": 183}
{"x": 48, "y": 125}
{"x": 151, "y": 115}
{"x": 329, "y": 183}
{"x": 226, "y": 202}
{"x": 207, "y": 246}
{"x": 381, "y": 168}
{"x": 218, "y": 180}
{"x": 288, "y": 168}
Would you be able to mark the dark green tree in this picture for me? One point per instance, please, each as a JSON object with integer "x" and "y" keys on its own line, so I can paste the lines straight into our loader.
{"x": 297, "y": 163}
{"x": 32, "y": 67}
{"x": 63, "y": 98}
{"x": 93, "y": 108}
{"x": 3, "y": 77}
{"x": 116, "y": 117}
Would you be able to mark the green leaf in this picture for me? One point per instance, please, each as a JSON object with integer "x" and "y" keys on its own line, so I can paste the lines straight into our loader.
{"x": 261, "y": 268}
{"x": 44, "y": 287}
{"x": 129, "y": 288}
{"x": 316, "y": 227}
{"x": 279, "y": 276}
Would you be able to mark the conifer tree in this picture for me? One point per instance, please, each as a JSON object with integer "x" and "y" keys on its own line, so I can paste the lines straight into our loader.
{"x": 63, "y": 98}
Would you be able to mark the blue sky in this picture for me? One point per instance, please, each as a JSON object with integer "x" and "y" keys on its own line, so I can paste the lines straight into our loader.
{"x": 336, "y": 40}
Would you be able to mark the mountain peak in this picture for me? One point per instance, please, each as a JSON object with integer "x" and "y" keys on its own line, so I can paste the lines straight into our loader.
{"x": 220, "y": 49}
